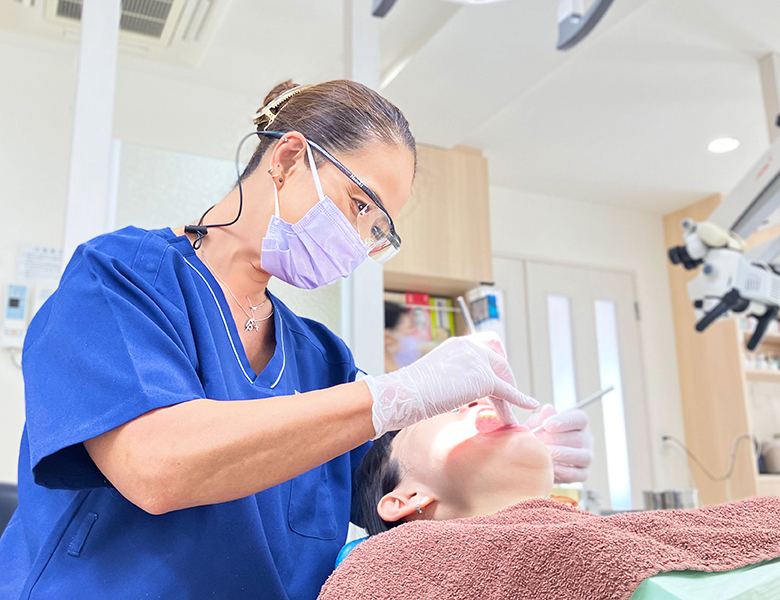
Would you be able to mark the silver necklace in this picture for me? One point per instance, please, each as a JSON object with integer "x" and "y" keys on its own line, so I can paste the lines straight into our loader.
{"x": 252, "y": 322}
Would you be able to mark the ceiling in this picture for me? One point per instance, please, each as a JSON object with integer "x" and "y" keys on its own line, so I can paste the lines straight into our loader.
{"x": 624, "y": 118}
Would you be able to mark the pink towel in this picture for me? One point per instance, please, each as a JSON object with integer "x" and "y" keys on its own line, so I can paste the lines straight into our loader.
{"x": 541, "y": 549}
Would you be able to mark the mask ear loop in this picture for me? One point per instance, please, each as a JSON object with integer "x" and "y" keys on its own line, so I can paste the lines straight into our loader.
{"x": 276, "y": 198}
{"x": 314, "y": 172}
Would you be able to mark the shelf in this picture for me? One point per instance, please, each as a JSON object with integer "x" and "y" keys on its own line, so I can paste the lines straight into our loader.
{"x": 422, "y": 284}
{"x": 762, "y": 375}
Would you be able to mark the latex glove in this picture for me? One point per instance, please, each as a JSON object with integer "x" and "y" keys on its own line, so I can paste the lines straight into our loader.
{"x": 569, "y": 443}
{"x": 455, "y": 373}
{"x": 503, "y": 408}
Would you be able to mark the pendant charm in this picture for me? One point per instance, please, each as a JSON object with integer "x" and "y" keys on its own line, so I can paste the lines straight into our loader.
{"x": 250, "y": 325}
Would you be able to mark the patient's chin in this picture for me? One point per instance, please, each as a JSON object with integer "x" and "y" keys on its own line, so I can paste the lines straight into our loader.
{"x": 514, "y": 446}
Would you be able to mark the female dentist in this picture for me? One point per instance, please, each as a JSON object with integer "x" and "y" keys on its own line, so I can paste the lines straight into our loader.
{"x": 187, "y": 435}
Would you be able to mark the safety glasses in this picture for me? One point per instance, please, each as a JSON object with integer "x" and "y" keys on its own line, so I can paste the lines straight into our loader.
{"x": 374, "y": 224}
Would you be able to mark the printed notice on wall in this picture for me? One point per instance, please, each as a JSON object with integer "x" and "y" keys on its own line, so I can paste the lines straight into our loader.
{"x": 36, "y": 263}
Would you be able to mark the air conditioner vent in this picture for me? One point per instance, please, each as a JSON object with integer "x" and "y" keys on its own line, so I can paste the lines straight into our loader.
{"x": 69, "y": 9}
{"x": 178, "y": 32}
{"x": 143, "y": 17}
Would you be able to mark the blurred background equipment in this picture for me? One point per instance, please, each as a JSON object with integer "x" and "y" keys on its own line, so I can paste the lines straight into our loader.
{"x": 486, "y": 304}
{"x": 733, "y": 280}
{"x": 671, "y": 499}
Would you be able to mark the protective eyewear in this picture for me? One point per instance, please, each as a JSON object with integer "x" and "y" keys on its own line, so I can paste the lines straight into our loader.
{"x": 374, "y": 224}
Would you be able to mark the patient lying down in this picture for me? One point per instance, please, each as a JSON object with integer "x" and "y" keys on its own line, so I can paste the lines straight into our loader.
{"x": 463, "y": 510}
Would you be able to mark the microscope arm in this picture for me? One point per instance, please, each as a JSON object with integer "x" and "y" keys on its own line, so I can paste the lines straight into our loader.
{"x": 729, "y": 302}
{"x": 763, "y": 323}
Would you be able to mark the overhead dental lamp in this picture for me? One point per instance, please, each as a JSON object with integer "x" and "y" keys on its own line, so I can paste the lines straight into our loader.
{"x": 574, "y": 23}
{"x": 382, "y": 7}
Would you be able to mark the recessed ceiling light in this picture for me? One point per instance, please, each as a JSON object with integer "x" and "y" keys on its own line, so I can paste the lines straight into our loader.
{"x": 721, "y": 145}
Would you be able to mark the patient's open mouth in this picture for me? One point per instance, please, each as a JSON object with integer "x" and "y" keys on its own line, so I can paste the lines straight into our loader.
{"x": 487, "y": 421}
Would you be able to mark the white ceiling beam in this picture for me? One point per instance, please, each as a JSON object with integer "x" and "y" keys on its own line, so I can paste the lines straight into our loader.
{"x": 769, "y": 68}
{"x": 87, "y": 210}
{"x": 362, "y": 293}
{"x": 361, "y": 43}
{"x": 426, "y": 33}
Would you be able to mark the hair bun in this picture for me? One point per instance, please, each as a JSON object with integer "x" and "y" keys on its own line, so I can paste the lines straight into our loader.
{"x": 278, "y": 91}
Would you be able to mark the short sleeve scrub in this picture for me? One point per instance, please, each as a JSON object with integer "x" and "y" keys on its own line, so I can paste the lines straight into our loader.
{"x": 139, "y": 323}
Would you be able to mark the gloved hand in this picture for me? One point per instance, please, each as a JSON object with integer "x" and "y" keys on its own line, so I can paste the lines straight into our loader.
{"x": 455, "y": 373}
{"x": 569, "y": 443}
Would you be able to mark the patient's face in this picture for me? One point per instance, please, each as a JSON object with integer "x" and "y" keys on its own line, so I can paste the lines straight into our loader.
{"x": 466, "y": 454}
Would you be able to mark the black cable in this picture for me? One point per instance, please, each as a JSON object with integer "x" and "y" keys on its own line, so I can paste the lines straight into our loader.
{"x": 202, "y": 230}
{"x": 728, "y": 475}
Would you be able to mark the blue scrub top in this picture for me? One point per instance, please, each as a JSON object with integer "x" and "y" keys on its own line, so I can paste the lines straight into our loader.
{"x": 139, "y": 323}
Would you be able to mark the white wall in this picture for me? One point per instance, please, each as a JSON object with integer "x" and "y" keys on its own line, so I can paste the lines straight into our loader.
{"x": 36, "y": 116}
{"x": 526, "y": 225}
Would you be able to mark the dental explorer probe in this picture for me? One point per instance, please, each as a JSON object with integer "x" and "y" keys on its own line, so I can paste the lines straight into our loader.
{"x": 503, "y": 410}
{"x": 587, "y": 402}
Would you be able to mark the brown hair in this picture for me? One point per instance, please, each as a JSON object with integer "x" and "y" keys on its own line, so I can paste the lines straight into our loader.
{"x": 342, "y": 116}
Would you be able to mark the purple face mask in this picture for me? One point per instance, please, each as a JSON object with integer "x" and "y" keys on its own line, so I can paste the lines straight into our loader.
{"x": 316, "y": 250}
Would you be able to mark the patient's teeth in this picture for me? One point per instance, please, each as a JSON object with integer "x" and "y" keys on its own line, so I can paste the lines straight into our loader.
{"x": 487, "y": 420}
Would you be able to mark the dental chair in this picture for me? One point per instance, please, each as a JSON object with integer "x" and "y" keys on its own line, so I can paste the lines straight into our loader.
{"x": 8, "y": 502}
{"x": 347, "y": 548}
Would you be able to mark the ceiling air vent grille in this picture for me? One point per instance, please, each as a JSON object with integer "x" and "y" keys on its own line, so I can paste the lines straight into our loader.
{"x": 142, "y": 17}
{"x": 69, "y": 9}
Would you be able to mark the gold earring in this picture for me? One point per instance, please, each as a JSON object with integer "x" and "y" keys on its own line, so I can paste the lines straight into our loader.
{"x": 272, "y": 174}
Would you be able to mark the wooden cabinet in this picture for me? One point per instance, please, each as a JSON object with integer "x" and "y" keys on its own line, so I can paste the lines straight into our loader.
{"x": 445, "y": 225}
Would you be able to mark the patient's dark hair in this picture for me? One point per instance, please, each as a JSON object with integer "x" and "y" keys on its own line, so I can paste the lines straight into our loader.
{"x": 378, "y": 474}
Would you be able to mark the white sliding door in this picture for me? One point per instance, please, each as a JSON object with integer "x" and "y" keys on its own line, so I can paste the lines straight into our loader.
{"x": 580, "y": 334}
